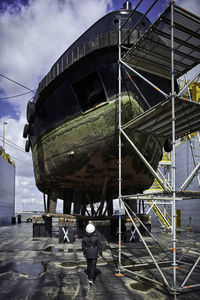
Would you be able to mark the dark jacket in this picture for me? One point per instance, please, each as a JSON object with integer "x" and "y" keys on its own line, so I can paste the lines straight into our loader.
{"x": 91, "y": 245}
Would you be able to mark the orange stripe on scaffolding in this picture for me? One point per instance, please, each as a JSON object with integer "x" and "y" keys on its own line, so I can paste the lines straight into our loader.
{"x": 119, "y": 274}
{"x": 188, "y": 286}
{"x": 129, "y": 76}
{"x": 174, "y": 249}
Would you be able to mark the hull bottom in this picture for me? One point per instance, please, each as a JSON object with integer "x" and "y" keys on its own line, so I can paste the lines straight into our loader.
{"x": 83, "y": 153}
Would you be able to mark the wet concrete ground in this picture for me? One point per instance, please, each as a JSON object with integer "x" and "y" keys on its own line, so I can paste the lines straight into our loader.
{"x": 44, "y": 269}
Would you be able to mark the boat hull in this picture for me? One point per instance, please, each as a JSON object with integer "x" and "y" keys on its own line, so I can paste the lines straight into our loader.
{"x": 73, "y": 127}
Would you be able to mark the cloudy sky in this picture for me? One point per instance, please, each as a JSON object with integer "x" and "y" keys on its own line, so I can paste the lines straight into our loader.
{"x": 33, "y": 34}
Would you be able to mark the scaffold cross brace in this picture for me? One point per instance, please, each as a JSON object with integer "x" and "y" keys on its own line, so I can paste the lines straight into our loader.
{"x": 65, "y": 234}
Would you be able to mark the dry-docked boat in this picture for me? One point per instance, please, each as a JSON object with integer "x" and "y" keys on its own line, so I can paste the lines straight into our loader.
{"x": 73, "y": 118}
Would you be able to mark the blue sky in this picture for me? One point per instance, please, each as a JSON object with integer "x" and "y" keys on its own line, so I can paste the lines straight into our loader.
{"x": 33, "y": 34}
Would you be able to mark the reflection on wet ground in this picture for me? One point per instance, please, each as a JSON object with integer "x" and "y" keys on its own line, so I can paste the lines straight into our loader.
{"x": 140, "y": 286}
{"x": 73, "y": 264}
{"x": 66, "y": 249}
{"x": 52, "y": 249}
{"x": 32, "y": 269}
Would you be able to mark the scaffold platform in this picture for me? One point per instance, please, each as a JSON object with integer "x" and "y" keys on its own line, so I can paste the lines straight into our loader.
{"x": 152, "y": 52}
{"x": 158, "y": 119}
{"x": 163, "y": 196}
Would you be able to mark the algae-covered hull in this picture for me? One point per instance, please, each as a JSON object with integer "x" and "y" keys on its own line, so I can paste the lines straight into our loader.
{"x": 84, "y": 152}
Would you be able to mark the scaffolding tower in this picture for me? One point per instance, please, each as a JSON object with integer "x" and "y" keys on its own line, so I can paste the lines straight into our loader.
{"x": 169, "y": 48}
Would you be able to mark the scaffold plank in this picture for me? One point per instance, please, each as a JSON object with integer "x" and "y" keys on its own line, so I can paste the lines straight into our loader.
{"x": 163, "y": 196}
{"x": 157, "y": 120}
{"x": 152, "y": 52}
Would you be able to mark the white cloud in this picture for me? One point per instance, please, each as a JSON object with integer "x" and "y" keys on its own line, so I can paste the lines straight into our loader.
{"x": 192, "y": 5}
{"x": 31, "y": 41}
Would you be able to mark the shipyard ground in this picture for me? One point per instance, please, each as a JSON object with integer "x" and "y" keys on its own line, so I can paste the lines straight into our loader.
{"x": 44, "y": 269}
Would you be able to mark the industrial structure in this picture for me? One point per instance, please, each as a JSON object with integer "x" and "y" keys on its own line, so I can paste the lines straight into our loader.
{"x": 169, "y": 48}
{"x": 7, "y": 185}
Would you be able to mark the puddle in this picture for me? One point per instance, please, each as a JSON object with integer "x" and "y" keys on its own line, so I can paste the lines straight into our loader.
{"x": 25, "y": 268}
{"x": 31, "y": 269}
{"x": 65, "y": 250}
{"x": 52, "y": 249}
{"x": 83, "y": 263}
{"x": 68, "y": 250}
{"x": 73, "y": 264}
{"x": 71, "y": 250}
{"x": 6, "y": 268}
{"x": 140, "y": 286}
{"x": 69, "y": 264}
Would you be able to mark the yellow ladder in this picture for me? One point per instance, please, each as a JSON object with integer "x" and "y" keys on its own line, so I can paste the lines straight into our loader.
{"x": 162, "y": 214}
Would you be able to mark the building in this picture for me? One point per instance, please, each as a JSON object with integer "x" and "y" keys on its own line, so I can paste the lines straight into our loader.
{"x": 7, "y": 188}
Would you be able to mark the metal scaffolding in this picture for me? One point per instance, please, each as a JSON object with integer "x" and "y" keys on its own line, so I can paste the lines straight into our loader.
{"x": 169, "y": 49}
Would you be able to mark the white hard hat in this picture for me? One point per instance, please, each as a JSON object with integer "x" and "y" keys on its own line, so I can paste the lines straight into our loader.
{"x": 90, "y": 228}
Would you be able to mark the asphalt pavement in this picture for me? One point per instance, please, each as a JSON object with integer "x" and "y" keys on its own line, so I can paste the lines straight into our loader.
{"x": 41, "y": 268}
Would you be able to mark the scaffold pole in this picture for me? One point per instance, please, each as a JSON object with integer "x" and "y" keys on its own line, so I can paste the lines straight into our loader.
{"x": 120, "y": 145}
{"x": 173, "y": 151}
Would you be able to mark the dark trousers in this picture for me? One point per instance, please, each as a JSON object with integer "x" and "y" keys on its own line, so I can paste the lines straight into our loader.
{"x": 91, "y": 268}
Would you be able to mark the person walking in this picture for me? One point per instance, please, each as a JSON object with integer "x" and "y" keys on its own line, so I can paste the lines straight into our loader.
{"x": 91, "y": 247}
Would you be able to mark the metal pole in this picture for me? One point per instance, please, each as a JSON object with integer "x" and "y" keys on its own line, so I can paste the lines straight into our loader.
{"x": 188, "y": 249}
{"x": 145, "y": 79}
{"x": 188, "y": 276}
{"x": 193, "y": 152}
{"x": 130, "y": 14}
{"x": 173, "y": 151}
{"x": 135, "y": 85}
{"x": 144, "y": 277}
{"x": 187, "y": 85}
{"x": 189, "y": 179}
{"x": 147, "y": 264}
{"x": 188, "y": 90}
{"x": 146, "y": 246}
{"x": 191, "y": 286}
{"x": 4, "y": 123}
{"x": 141, "y": 223}
{"x": 120, "y": 144}
{"x": 163, "y": 183}
{"x": 45, "y": 206}
{"x": 136, "y": 25}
